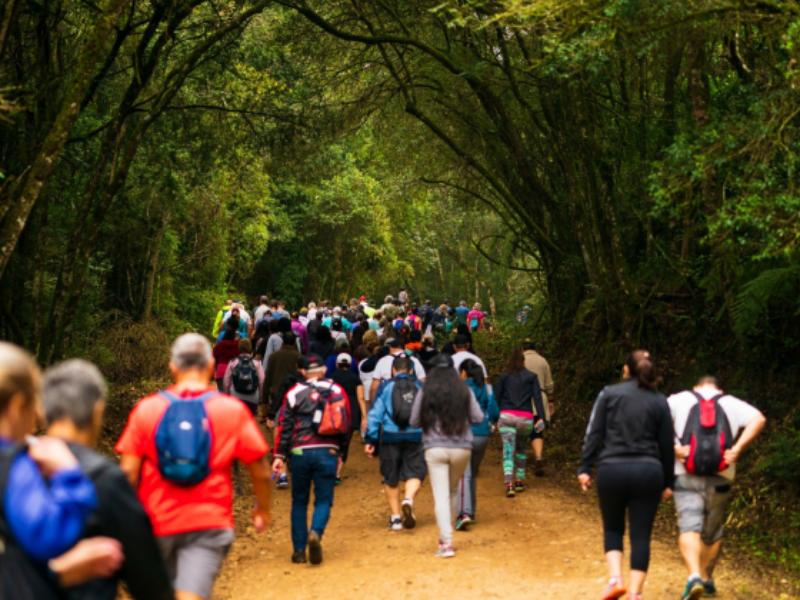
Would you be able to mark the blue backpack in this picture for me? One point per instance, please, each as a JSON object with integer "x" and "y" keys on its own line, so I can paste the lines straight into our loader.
{"x": 183, "y": 440}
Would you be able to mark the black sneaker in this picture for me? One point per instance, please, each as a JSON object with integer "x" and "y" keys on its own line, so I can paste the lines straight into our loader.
{"x": 299, "y": 557}
{"x": 538, "y": 468}
{"x": 314, "y": 548}
{"x": 709, "y": 589}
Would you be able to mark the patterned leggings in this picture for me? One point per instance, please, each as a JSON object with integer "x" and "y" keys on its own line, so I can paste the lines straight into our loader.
{"x": 515, "y": 432}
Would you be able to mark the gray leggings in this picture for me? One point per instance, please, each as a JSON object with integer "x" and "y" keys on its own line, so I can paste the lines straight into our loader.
{"x": 445, "y": 468}
{"x": 467, "y": 494}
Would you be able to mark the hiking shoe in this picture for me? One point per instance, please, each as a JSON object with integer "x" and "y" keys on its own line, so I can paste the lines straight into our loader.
{"x": 299, "y": 557}
{"x": 409, "y": 519}
{"x": 510, "y": 490}
{"x": 614, "y": 590}
{"x": 283, "y": 482}
{"x": 463, "y": 522}
{"x": 338, "y": 481}
{"x": 538, "y": 468}
{"x": 694, "y": 588}
{"x": 395, "y": 524}
{"x": 519, "y": 487}
{"x": 314, "y": 548}
{"x": 709, "y": 589}
{"x": 445, "y": 550}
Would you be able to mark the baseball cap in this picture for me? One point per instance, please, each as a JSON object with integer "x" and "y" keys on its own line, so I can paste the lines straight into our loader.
{"x": 344, "y": 357}
{"x": 310, "y": 361}
{"x": 393, "y": 343}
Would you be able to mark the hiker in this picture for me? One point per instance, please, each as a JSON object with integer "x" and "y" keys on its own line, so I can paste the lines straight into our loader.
{"x": 414, "y": 344}
{"x": 274, "y": 342}
{"x": 538, "y": 365}
{"x": 282, "y": 363}
{"x": 243, "y": 325}
{"x": 428, "y": 351}
{"x": 244, "y": 377}
{"x": 519, "y": 398}
{"x": 260, "y": 340}
{"x": 323, "y": 346}
{"x": 461, "y": 312}
{"x": 704, "y": 473}
{"x": 261, "y": 310}
{"x": 461, "y": 331}
{"x": 629, "y": 439}
{"x": 219, "y": 320}
{"x": 366, "y": 370}
{"x": 225, "y": 350}
{"x": 300, "y": 332}
{"x": 475, "y": 317}
{"x": 350, "y": 382}
{"x": 312, "y": 455}
{"x": 46, "y": 497}
{"x": 472, "y": 374}
{"x": 383, "y": 369}
{"x": 444, "y": 410}
{"x": 398, "y": 444}
{"x": 183, "y": 473}
{"x": 402, "y": 297}
{"x": 461, "y": 347}
{"x": 74, "y": 402}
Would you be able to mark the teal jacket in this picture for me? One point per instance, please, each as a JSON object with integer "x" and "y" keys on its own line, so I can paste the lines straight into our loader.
{"x": 491, "y": 413}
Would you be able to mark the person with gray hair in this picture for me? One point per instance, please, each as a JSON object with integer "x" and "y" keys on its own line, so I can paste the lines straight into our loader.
{"x": 74, "y": 396}
{"x": 193, "y": 515}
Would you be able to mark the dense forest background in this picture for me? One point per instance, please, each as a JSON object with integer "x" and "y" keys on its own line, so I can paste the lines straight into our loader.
{"x": 628, "y": 168}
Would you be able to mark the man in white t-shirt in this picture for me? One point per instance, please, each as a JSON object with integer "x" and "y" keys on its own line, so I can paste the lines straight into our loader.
{"x": 701, "y": 501}
{"x": 383, "y": 370}
{"x": 462, "y": 353}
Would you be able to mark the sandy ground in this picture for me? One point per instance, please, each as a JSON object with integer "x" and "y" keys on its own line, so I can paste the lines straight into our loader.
{"x": 546, "y": 543}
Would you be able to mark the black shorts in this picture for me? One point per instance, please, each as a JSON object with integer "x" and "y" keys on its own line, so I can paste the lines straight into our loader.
{"x": 402, "y": 461}
{"x": 536, "y": 435}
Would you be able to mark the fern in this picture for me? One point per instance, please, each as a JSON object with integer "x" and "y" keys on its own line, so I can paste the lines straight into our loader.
{"x": 778, "y": 286}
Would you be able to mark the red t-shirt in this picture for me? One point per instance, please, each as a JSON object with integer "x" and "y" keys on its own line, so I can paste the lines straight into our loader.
{"x": 207, "y": 505}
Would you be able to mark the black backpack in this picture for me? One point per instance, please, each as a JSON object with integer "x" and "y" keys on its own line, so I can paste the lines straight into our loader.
{"x": 20, "y": 577}
{"x": 708, "y": 435}
{"x": 403, "y": 393}
{"x": 245, "y": 376}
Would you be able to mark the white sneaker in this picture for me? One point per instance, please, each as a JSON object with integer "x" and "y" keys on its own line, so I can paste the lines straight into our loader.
{"x": 395, "y": 524}
{"x": 445, "y": 550}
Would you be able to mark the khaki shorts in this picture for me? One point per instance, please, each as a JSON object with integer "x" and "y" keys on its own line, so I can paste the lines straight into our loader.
{"x": 702, "y": 503}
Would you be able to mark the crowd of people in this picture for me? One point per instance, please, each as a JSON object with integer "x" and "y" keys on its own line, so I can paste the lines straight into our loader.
{"x": 405, "y": 377}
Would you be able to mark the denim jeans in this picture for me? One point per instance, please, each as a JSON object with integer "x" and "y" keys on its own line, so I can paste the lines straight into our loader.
{"x": 317, "y": 465}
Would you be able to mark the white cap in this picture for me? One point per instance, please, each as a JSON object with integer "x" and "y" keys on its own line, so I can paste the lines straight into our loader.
{"x": 344, "y": 357}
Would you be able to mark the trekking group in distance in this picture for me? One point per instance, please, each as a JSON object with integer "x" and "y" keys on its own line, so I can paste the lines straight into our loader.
{"x": 405, "y": 377}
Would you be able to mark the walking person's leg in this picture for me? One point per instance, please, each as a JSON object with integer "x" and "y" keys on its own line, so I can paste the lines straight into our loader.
{"x": 508, "y": 435}
{"x": 613, "y": 496}
{"x": 524, "y": 428}
{"x": 325, "y": 463}
{"x": 439, "y": 473}
{"x": 467, "y": 493}
{"x": 459, "y": 461}
{"x": 301, "y": 493}
{"x": 647, "y": 485}
{"x": 413, "y": 471}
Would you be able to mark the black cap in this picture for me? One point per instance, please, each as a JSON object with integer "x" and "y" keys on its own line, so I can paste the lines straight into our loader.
{"x": 461, "y": 340}
{"x": 394, "y": 343}
{"x": 310, "y": 361}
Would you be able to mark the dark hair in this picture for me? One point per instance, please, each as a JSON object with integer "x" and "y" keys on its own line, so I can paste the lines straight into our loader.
{"x": 461, "y": 341}
{"x": 445, "y": 402}
{"x": 231, "y": 328}
{"x": 324, "y": 334}
{"x": 263, "y": 300}
{"x": 284, "y": 324}
{"x": 402, "y": 364}
{"x": 288, "y": 338}
{"x": 416, "y": 335}
{"x": 441, "y": 360}
{"x": 473, "y": 371}
{"x": 641, "y": 368}
{"x": 245, "y": 346}
{"x": 336, "y": 324}
{"x": 516, "y": 361}
{"x": 274, "y": 326}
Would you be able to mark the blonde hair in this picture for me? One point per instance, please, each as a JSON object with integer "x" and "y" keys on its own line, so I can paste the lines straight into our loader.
{"x": 19, "y": 374}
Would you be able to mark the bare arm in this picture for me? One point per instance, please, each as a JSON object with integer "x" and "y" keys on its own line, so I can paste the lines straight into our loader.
{"x": 131, "y": 465}
{"x": 262, "y": 489}
{"x": 750, "y": 432}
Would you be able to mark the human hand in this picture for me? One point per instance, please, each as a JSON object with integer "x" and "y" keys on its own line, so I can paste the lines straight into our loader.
{"x": 262, "y": 518}
{"x": 51, "y": 455}
{"x": 585, "y": 481}
{"x": 682, "y": 452}
{"x": 551, "y": 408}
{"x": 270, "y": 423}
{"x": 92, "y": 558}
{"x": 369, "y": 450}
{"x": 277, "y": 466}
{"x": 666, "y": 494}
{"x": 732, "y": 455}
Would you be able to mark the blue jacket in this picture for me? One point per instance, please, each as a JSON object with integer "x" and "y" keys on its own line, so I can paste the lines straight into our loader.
{"x": 46, "y": 517}
{"x": 381, "y": 427}
{"x": 491, "y": 413}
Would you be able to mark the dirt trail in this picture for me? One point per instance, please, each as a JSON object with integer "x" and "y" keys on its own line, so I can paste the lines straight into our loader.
{"x": 545, "y": 544}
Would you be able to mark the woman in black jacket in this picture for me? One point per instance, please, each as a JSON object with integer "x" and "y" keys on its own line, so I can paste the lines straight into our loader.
{"x": 630, "y": 439}
{"x": 519, "y": 398}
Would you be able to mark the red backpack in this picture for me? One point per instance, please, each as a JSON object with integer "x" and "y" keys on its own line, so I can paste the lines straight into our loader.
{"x": 708, "y": 435}
{"x": 333, "y": 415}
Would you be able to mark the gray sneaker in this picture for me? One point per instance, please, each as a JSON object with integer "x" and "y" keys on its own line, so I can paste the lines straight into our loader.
{"x": 694, "y": 589}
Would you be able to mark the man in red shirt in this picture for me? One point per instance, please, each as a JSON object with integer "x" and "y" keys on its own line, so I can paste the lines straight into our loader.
{"x": 194, "y": 523}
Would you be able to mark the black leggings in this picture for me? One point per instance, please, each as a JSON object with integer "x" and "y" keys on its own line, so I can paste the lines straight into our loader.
{"x": 635, "y": 487}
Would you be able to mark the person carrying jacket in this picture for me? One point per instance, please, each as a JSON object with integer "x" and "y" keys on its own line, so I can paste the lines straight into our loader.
{"x": 311, "y": 457}
{"x": 399, "y": 448}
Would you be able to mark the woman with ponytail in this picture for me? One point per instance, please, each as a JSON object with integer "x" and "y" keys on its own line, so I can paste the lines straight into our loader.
{"x": 630, "y": 440}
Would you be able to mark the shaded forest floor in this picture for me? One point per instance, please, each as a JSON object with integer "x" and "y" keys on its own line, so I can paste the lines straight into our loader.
{"x": 546, "y": 543}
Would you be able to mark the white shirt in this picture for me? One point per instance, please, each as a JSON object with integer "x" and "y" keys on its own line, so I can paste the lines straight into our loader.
{"x": 366, "y": 380}
{"x": 460, "y": 357}
{"x": 260, "y": 311}
{"x": 740, "y": 414}
{"x": 383, "y": 370}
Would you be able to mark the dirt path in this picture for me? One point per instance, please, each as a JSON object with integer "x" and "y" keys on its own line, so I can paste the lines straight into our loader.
{"x": 545, "y": 544}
